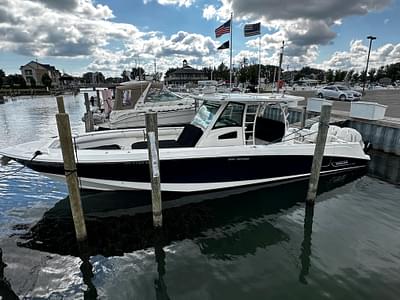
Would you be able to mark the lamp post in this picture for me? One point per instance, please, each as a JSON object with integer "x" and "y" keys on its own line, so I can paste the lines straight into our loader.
{"x": 371, "y": 38}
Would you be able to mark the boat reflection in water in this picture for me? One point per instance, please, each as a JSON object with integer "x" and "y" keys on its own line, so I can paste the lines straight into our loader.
{"x": 115, "y": 228}
{"x": 245, "y": 221}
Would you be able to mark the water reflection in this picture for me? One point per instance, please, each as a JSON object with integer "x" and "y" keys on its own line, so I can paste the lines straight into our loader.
{"x": 6, "y": 291}
{"x": 159, "y": 283}
{"x": 87, "y": 272}
{"x": 306, "y": 244}
{"x": 242, "y": 218}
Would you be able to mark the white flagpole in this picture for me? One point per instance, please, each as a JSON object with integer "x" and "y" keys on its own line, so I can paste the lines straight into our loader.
{"x": 230, "y": 59}
{"x": 259, "y": 62}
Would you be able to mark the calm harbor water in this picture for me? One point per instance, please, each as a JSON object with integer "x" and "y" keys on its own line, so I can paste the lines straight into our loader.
{"x": 255, "y": 244}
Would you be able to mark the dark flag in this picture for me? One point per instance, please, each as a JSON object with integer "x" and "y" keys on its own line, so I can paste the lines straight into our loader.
{"x": 224, "y": 46}
{"x": 252, "y": 29}
{"x": 224, "y": 28}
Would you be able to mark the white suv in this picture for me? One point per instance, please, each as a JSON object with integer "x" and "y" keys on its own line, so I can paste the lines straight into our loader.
{"x": 338, "y": 92}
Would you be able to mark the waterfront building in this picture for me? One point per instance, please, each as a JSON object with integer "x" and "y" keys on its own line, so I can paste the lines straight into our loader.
{"x": 33, "y": 73}
{"x": 185, "y": 75}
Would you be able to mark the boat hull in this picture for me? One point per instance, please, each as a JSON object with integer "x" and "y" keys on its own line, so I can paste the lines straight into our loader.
{"x": 199, "y": 174}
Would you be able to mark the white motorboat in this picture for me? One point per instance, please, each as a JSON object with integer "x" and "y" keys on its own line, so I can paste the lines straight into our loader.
{"x": 228, "y": 144}
{"x": 134, "y": 98}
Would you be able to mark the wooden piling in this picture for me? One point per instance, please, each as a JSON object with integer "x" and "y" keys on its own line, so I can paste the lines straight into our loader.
{"x": 318, "y": 153}
{"x": 89, "y": 124}
{"x": 64, "y": 132}
{"x": 98, "y": 99}
{"x": 303, "y": 117}
{"x": 154, "y": 165}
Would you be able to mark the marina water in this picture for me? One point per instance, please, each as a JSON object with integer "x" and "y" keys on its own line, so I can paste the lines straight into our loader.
{"x": 251, "y": 244}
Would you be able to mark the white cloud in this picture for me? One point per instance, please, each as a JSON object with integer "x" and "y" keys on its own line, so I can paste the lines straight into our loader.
{"x": 209, "y": 12}
{"x": 304, "y": 25}
{"x": 356, "y": 57}
{"x": 179, "y": 3}
{"x": 386, "y": 21}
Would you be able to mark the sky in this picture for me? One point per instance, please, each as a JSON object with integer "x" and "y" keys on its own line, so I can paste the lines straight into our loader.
{"x": 78, "y": 36}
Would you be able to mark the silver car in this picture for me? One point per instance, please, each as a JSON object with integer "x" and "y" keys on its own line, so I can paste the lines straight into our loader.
{"x": 338, "y": 92}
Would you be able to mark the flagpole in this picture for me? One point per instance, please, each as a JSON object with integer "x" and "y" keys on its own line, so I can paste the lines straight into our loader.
{"x": 280, "y": 65}
{"x": 259, "y": 62}
{"x": 230, "y": 59}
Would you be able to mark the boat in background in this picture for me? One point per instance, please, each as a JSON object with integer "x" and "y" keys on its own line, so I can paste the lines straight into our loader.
{"x": 134, "y": 98}
{"x": 227, "y": 145}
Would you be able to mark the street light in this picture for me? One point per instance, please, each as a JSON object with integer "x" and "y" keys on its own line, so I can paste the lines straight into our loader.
{"x": 371, "y": 38}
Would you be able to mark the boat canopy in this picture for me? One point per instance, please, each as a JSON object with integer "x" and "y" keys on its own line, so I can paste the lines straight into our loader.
{"x": 248, "y": 98}
{"x": 132, "y": 93}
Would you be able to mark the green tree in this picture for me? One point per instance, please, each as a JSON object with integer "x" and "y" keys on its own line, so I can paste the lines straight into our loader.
{"x": 125, "y": 75}
{"x": 2, "y": 77}
{"x": 15, "y": 80}
{"x": 138, "y": 73}
{"x": 329, "y": 75}
{"x": 355, "y": 77}
{"x": 46, "y": 80}
{"x": 222, "y": 72}
{"x": 371, "y": 75}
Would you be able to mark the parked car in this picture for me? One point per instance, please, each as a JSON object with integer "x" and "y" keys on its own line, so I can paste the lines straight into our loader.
{"x": 338, "y": 92}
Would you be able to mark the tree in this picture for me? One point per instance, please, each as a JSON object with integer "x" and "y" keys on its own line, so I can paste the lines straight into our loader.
{"x": 138, "y": 73}
{"x": 371, "y": 75}
{"x": 125, "y": 76}
{"x": 46, "y": 80}
{"x": 222, "y": 72}
{"x": 329, "y": 75}
{"x": 356, "y": 77}
{"x": 2, "y": 77}
{"x": 169, "y": 71}
{"x": 87, "y": 77}
{"x": 15, "y": 80}
{"x": 339, "y": 75}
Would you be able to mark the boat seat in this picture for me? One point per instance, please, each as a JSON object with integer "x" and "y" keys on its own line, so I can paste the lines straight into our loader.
{"x": 189, "y": 137}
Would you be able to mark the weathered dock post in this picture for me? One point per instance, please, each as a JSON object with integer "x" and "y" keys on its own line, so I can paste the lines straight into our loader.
{"x": 64, "y": 132}
{"x": 303, "y": 117}
{"x": 154, "y": 165}
{"x": 89, "y": 124}
{"x": 98, "y": 99}
{"x": 318, "y": 153}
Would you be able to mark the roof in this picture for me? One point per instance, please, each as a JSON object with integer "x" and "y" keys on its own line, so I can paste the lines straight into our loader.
{"x": 186, "y": 70}
{"x": 45, "y": 66}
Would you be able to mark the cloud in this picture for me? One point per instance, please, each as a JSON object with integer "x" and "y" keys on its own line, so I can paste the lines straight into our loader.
{"x": 356, "y": 57}
{"x": 179, "y": 3}
{"x": 304, "y": 25}
{"x": 291, "y": 10}
{"x": 209, "y": 12}
{"x": 64, "y": 5}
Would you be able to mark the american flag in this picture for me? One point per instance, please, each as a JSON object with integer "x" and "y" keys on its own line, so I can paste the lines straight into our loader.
{"x": 224, "y": 28}
{"x": 252, "y": 29}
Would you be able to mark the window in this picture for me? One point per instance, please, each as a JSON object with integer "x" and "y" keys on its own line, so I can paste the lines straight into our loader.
{"x": 205, "y": 114}
{"x": 231, "y": 116}
{"x": 28, "y": 72}
{"x": 342, "y": 88}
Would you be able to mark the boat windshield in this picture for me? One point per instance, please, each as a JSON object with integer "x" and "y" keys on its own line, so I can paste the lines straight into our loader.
{"x": 205, "y": 114}
{"x": 160, "y": 95}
